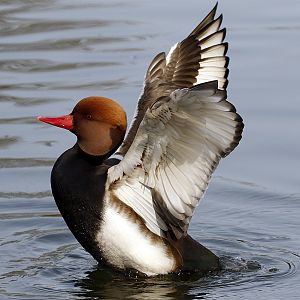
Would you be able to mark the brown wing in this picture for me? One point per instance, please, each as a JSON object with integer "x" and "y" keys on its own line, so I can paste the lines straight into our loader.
{"x": 197, "y": 59}
{"x": 154, "y": 88}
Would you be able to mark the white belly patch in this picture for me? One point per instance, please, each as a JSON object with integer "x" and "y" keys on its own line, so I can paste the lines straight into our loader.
{"x": 124, "y": 246}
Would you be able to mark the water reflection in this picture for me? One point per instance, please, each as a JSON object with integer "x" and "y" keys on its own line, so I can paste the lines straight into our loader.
{"x": 54, "y": 44}
{"x": 42, "y": 65}
{"x": 237, "y": 274}
{"x": 8, "y": 140}
{"x": 103, "y": 284}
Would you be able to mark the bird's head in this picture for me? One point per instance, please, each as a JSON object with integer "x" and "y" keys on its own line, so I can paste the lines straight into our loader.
{"x": 99, "y": 124}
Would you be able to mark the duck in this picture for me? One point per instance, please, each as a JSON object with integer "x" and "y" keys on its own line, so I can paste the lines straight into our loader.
{"x": 129, "y": 198}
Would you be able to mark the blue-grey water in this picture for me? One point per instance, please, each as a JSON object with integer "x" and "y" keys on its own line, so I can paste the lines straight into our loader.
{"x": 53, "y": 53}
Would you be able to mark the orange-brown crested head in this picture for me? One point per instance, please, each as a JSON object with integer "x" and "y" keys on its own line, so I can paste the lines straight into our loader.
{"x": 99, "y": 123}
{"x": 101, "y": 109}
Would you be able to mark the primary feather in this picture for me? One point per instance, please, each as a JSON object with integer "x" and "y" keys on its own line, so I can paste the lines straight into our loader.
{"x": 183, "y": 127}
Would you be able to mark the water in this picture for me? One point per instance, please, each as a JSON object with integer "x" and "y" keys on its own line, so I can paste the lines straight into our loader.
{"x": 53, "y": 53}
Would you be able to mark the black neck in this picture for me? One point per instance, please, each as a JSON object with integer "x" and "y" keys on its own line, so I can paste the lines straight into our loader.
{"x": 93, "y": 159}
{"x": 78, "y": 186}
{"x": 96, "y": 159}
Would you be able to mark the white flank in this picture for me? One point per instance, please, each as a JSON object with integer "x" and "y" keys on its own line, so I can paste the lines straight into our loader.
{"x": 126, "y": 247}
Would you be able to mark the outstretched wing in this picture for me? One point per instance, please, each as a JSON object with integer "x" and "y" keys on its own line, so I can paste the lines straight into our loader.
{"x": 177, "y": 146}
{"x": 199, "y": 58}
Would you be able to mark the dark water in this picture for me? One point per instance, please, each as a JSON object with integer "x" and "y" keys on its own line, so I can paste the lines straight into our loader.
{"x": 53, "y": 53}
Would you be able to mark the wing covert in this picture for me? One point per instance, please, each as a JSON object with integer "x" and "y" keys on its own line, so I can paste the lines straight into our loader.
{"x": 178, "y": 145}
{"x": 199, "y": 58}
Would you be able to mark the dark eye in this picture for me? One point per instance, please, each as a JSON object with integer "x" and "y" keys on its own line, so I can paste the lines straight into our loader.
{"x": 89, "y": 117}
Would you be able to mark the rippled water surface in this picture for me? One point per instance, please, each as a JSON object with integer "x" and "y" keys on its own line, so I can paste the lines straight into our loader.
{"x": 53, "y": 53}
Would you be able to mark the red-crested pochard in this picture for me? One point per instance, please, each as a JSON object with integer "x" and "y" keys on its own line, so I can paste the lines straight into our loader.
{"x": 134, "y": 213}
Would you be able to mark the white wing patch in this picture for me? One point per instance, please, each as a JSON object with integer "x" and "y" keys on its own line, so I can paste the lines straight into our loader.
{"x": 178, "y": 145}
{"x": 137, "y": 196}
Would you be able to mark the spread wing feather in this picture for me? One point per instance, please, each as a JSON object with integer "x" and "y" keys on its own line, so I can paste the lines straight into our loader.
{"x": 182, "y": 128}
{"x": 178, "y": 145}
{"x": 199, "y": 58}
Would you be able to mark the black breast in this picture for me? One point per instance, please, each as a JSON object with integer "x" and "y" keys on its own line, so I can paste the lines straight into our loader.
{"x": 78, "y": 186}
